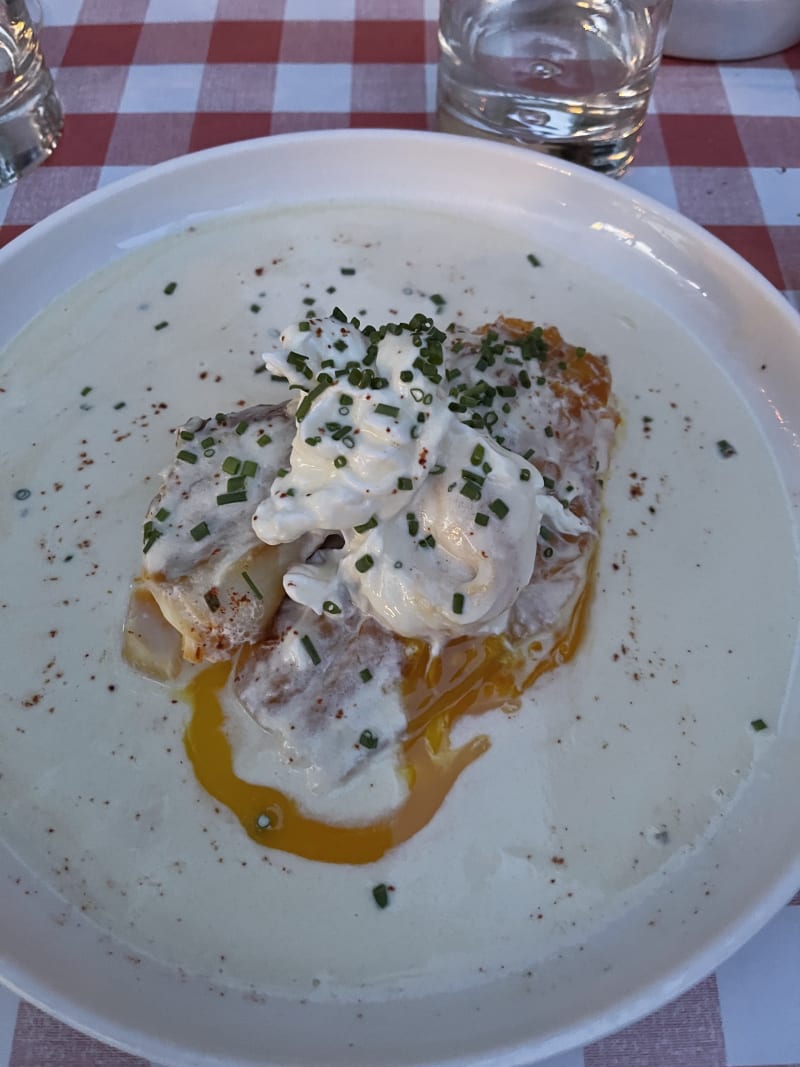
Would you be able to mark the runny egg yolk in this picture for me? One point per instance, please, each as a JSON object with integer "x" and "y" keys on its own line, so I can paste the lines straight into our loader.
{"x": 471, "y": 676}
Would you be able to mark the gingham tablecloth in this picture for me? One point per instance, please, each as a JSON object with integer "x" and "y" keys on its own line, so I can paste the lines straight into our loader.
{"x": 145, "y": 80}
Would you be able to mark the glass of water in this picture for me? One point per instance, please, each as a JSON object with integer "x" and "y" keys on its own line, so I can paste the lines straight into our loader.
{"x": 31, "y": 118}
{"x": 569, "y": 77}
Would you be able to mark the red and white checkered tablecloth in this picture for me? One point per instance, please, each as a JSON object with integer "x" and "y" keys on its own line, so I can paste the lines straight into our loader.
{"x": 145, "y": 80}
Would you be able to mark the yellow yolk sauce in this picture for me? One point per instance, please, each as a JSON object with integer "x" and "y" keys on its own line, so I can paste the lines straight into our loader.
{"x": 471, "y": 676}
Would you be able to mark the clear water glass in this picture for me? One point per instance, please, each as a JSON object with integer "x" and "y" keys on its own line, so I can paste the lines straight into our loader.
{"x": 569, "y": 77}
{"x": 31, "y": 118}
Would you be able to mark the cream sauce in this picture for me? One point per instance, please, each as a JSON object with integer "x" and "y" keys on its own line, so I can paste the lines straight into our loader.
{"x": 615, "y": 767}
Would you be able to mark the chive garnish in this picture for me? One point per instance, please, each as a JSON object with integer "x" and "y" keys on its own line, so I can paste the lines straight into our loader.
{"x": 458, "y": 603}
{"x": 406, "y": 376}
{"x": 331, "y": 607}
{"x": 499, "y": 508}
{"x": 368, "y": 739}
{"x": 264, "y": 439}
{"x": 308, "y": 645}
{"x": 253, "y": 587}
{"x": 86, "y": 390}
{"x": 438, "y": 300}
{"x": 439, "y": 468}
{"x": 186, "y": 435}
{"x": 387, "y": 409}
{"x": 207, "y": 442}
{"x": 120, "y": 404}
{"x": 187, "y": 457}
{"x": 428, "y": 542}
{"x": 347, "y": 271}
{"x": 381, "y": 895}
{"x": 212, "y": 600}
{"x": 304, "y": 326}
{"x": 232, "y": 498}
{"x": 524, "y": 475}
{"x": 200, "y": 531}
{"x": 365, "y": 675}
{"x": 548, "y": 431}
{"x": 249, "y": 468}
{"x": 548, "y": 552}
{"x": 370, "y": 524}
{"x": 162, "y": 514}
{"x": 549, "y": 483}
{"x": 340, "y": 461}
{"x": 758, "y": 725}
{"x": 170, "y": 288}
{"x": 478, "y": 453}
{"x": 364, "y": 563}
{"x": 481, "y": 519}
{"x": 413, "y": 524}
{"x": 726, "y": 449}
{"x": 471, "y": 491}
{"x": 405, "y": 483}
{"x": 255, "y": 308}
{"x": 161, "y": 325}
{"x": 242, "y": 427}
{"x": 534, "y": 260}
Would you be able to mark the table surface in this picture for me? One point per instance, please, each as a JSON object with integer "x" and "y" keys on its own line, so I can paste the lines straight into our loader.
{"x": 145, "y": 80}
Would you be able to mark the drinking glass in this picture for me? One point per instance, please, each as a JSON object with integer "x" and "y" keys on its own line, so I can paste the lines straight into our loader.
{"x": 570, "y": 77}
{"x": 31, "y": 118}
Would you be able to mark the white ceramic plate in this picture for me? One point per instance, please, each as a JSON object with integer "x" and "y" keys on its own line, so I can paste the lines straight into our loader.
{"x": 91, "y": 907}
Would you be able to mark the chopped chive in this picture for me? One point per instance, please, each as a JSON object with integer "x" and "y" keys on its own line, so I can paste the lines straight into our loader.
{"x": 364, "y": 563}
{"x": 264, "y": 439}
{"x": 478, "y": 453}
{"x": 242, "y": 427}
{"x": 187, "y": 457}
{"x": 340, "y": 345}
{"x": 524, "y": 379}
{"x": 162, "y": 514}
{"x": 541, "y": 381}
{"x": 368, "y": 739}
{"x": 365, "y": 675}
{"x": 499, "y": 508}
{"x": 313, "y": 441}
{"x": 481, "y": 519}
{"x": 207, "y": 442}
{"x": 544, "y": 533}
{"x": 308, "y": 645}
{"x": 345, "y": 400}
{"x": 370, "y": 524}
{"x": 212, "y": 600}
{"x": 413, "y": 524}
{"x": 439, "y": 468}
{"x": 340, "y": 461}
{"x": 249, "y": 468}
{"x": 309, "y": 301}
{"x": 200, "y": 531}
{"x": 331, "y": 289}
{"x": 120, "y": 404}
{"x": 161, "y": 325}
{"x": 471, "y": 491}
{"x": 255, "y": 308}
{"x": 304, "y": 326}
{"x": 534, "y": 260}
{"x": 726, "y": 449}
{"x": 548, "y": 431}
{"x": 387, "y": 409}
{"x": 170, "y": 288}
{"x": 150, "y": 539}
{"x": 405, "y": 483}
{"x": 347, "y": 271}
{"x": 525, "y": 475}
{"x": 331, "y": 607}
{"x": 232, "y": 498}
{"x": 428, "y": 542}
{"x": 86, "y": 390}
{"x": 438, "y": 300}
{"x": 253, "y": 587}
{"x": 549, "y": 483}
{"x": 458, "y": 603}
{"x": 406, "y": 376}
{"x": 547, "y": 552}
{"x": 235, "y": 485}
{"x": 380, "y": 895}
{"x": 580, "y": 352}
{"x": 281, "y": 472}
{"x": 758, "y": 725}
